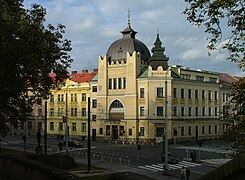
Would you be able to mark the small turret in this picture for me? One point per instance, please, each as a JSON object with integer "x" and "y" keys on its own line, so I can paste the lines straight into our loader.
{"x": 158, "y": 57}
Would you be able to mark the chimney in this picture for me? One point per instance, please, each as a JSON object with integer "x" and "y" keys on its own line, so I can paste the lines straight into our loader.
{"x": 84, "y": 71}
{"x": 74, "y": 72}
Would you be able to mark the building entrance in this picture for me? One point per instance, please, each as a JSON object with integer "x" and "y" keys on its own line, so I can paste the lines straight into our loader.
{"x": 114, "y": 132}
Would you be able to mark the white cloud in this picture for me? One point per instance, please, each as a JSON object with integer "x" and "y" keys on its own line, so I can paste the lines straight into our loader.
{"x": 93, "y": 25}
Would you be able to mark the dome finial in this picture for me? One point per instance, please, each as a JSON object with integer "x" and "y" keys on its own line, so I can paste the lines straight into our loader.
{"x": 129, "y": 17}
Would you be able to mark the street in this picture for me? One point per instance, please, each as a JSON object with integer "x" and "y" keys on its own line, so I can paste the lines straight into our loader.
{"x": 148, "y": 157}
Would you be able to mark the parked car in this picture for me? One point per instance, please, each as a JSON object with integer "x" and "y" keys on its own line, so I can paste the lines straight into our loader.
{"x": 73, "y": 143}
{"x": 172, "y": 158}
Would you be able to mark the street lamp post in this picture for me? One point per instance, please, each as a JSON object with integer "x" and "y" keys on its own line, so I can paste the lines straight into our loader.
{"x": 166, "y": 124}
{"x": 67, "y": 127}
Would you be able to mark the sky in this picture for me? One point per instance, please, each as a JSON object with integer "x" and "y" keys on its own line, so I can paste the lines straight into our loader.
{"x": 93, "y": 25}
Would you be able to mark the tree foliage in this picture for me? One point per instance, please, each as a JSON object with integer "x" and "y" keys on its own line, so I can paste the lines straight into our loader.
{"x": 212, "y": 15}
{"x": 236, "y": 131}
{"x": 30, "y": 50}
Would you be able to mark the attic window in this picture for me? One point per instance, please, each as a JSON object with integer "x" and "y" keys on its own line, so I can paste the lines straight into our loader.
{"x": 120, "y": 50}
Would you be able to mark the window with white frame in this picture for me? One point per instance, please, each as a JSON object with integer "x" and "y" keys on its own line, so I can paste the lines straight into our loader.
{"x": 159, "y": 92}
{"x": 159, "y": 111}
{"x": 142, "y": 110}
{"x": 142, "y": 92}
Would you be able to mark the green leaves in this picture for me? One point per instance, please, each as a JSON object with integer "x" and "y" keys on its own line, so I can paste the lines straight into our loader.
{"x": 229, "y": 13}
{"x": 29, "y": 52}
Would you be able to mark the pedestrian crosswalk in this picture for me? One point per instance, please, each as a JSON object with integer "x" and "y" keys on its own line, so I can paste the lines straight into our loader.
{"x": 159, "y": 167}
{"x": 207, "y": 149}
{"x": 216, "y": 161}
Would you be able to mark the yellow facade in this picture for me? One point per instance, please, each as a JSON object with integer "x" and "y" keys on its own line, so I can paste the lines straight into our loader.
{"x": 77, "y": 97}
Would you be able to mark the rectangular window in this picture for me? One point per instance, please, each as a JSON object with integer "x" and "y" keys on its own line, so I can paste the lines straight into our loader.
{"x": 175, "y": 92}
{"x": 203, "y": 129}
{"x": 73, "y": 97}
{"x": 223, "y": 97}
{"x": 189, "y": 111}
{"x": 60, "y": 126}
{"x": 210, "y": 111}
{"x": 215, "y": 129}
{"x": 93, "y": 117}
{"x": 73, "y": 111}
{"x": 196, "y": 111}
{"x": 182, "y": 111}
{"x": 84, "y": 97}
{"x": 59, "y": 98}
{"x": 119, "y": 83}
{"x": 124, "y": 83}
{"x": 200, "y": 78}
{"x": 110, "y": 84}
{"x": 159, "y": 111}
{"x": 189, "y": 93}
{"x": 216, "y": 111}
{"x": 130, "y": 132}
{"x": 51, "y": 126}
{"x": 84, "y": 112}
{"x": 189, "y": 130}
{"x": 196, "y": 94}
{"x": 107, "y": 130}
{"x": 60, "y": 111}
{"x": 203, "y": 94}
{"x": 215, "y": 95}
{"x": 84, "y": 127}
{"x": 142, "y": 111}
{"x": 182, "y": 131}
{"x": 94, "y": 89}
{"x": 114, "y": 83}
{"x": 142, "y": 131}
{"x": 209, "y": 129}
{"x": 182, "y": 93}
{"x": 159, "y": 92}
{"x": 51, "y": 111}
{"x": 74, "y": 126}
{"x": 209, "y": 95}
{"x": 101, "y": 131}
{"x": 142, "y": 92}
{"x": 175, "y": 111}
{"x": 185, "y": 76}
{"x": 213, "y": 80}
{"x": 203, "y": 111}
{"x": 94, "y": 103}
{"x": 62, "y": 97}
{"x": 51, "y": 98}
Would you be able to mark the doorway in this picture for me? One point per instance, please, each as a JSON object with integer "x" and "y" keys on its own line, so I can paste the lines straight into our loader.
{"x": 114, "y": 132}
{"x": 93, "y": 134}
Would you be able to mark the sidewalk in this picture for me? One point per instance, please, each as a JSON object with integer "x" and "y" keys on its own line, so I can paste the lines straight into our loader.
{"x": 111, "y": 167}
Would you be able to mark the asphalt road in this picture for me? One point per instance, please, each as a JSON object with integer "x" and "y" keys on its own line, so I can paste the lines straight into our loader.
{"x": 147, "y": 156}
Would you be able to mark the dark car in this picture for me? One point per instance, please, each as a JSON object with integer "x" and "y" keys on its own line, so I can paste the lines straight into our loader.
{"x": 172, "y": 159}
{"x": 73, "y": 143}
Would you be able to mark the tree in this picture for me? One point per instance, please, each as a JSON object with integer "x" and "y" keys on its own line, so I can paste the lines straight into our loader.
{"x": 30, "y": 50}
{"x": 236, "y": 132}
{"x": 213, "y": 15}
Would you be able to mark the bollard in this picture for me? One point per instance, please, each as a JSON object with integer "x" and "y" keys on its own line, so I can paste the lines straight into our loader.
{"x": 120, "y": 160}
{"x": 128, "y": 162}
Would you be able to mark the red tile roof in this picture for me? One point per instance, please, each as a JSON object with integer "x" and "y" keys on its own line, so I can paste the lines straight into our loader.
{"x": 85, "y": 76}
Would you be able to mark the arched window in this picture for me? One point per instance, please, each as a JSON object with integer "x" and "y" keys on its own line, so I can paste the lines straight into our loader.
{"x": 116, "y": 106}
